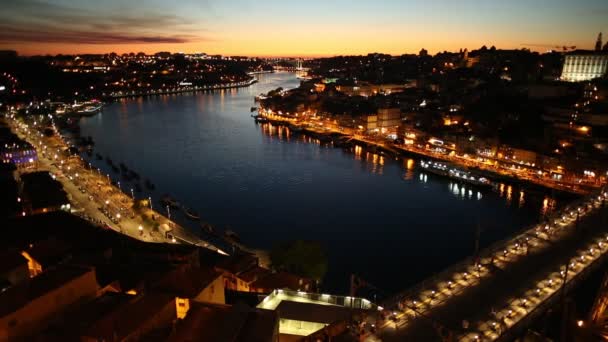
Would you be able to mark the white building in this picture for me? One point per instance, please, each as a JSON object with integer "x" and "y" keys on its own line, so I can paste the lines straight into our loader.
{"x": 584, "y": 65}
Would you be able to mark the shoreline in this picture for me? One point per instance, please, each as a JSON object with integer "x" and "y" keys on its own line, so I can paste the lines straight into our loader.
{"x": 402, "y": 153}
{"x": 182, "y": 90}
{"x": 136, "y": 226}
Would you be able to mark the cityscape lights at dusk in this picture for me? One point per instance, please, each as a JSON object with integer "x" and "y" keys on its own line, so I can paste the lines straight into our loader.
{"x": 304, "y": 171}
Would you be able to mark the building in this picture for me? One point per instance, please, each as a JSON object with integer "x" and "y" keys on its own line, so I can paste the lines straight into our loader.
{"x": 584, "y": 65}
{"x": 13, "y": 269}
{"x": 195, "y": 284}
{"x": 368, "y": 123}
{"x": 42, "y": 193}
{"x": 46, "y": 253}
{"x": 389, "y": 120}
{"x": 29, "y": 307}
{"x": 237, "y": 323}
{"x": 304, "y": 314}
{"x": 14, "y": 150}
{"x": 132, "y": 320}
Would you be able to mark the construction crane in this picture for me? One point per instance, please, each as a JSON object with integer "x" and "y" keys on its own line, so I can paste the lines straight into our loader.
{"x": 554, "y": 47}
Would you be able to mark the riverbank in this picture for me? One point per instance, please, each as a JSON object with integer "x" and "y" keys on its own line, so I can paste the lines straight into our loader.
{"x": 344, "y": 139}
{"x": 98, "y": 199}
{"x": 260, "y": 72}
{"x": 184, "y": 89}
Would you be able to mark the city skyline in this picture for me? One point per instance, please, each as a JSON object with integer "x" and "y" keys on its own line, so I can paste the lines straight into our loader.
{"x": 308, "y": 29}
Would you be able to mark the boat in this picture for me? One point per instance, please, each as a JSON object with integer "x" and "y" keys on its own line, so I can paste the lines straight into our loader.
{"x": 253, "y": 109}
{"x": 191, "y": 214}
{"x": 261, "y": 119}
{"x": 133, "y": 174}
{"x": 454, "y": 172}
{"x": 149, "y": 184}
{"x": 166, "y": 200}
{"x": 295, "y": 128}
{"x": 90, "y": 109}
{"x": 231, "y": 235}
{"x": 207, "y": 228}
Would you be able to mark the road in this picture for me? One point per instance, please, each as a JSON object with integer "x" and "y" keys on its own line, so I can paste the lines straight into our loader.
{"x": 484, "y": 298}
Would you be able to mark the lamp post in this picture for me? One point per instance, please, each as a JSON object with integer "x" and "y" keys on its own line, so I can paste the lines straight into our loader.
{"x": 132, "y": 194}
{"x": 168, "y": 213}
{"x": 150, "y": 202}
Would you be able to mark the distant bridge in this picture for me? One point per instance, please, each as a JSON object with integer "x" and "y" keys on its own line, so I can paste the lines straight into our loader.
{"x": 295, "y": 65}
{"x": 496, "y": 295}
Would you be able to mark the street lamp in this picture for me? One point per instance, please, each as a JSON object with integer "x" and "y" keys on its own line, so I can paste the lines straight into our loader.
{"x": 132, "y": 194}
{"x": 140, "y": 228}
{"x": 168, "y": 213}
{"x": 150, "y": 202}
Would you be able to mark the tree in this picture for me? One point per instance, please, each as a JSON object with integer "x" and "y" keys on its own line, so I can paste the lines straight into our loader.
{"x": 304, "y": 258}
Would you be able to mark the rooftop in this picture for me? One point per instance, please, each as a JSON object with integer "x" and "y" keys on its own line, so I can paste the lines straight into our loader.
{"x": 11, "y": 259}
{"x": 187, "y": 281}
{"x": 313, "y": 312}
{"x": 43, "y": 191}
{"x": 18, "y": 296}
{"x": 128, "y": 317}
{"x": 210, "y": 322}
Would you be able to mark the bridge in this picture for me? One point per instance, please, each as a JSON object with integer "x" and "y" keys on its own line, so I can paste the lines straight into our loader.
{"x": 497, "y": 294}
{"x": 292, "y": 65}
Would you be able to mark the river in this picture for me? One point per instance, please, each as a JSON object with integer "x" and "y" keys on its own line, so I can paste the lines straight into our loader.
{"x": 381, "y": 219}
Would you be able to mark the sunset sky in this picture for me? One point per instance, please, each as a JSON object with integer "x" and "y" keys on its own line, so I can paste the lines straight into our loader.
{"x": 295, "y": 28}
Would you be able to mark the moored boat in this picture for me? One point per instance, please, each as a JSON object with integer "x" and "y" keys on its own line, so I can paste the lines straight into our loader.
{"x": 166, "y": 200}
{"x": 149, "y": 184}
{"x": 231, "y": 236}
{"x": 454, "y": 172}
{"x": 191, "y": 214}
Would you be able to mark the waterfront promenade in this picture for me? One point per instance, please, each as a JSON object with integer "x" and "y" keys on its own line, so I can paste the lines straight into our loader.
{"x": 97, "y": 199}
{"x": 493, "y": 296}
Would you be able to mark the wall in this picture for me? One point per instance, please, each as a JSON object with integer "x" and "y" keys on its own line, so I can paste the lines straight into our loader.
{"x": 34, "y": 316}
{"x": 214, "y": 292}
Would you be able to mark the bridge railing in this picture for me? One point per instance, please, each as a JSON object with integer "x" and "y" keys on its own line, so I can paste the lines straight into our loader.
{"x": 516, "y": 329}
{"x": 413, "y": 292}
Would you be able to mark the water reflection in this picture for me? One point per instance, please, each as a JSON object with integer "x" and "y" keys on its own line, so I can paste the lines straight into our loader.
{"x": 548, "y": 206}
{"x": 409, "y": 169}
{"x": 358, "y": 151}
{"x": 465, "y": 192}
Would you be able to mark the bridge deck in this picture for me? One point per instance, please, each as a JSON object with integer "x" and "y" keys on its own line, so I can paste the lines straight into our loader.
{"x": 506, "y": 284}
